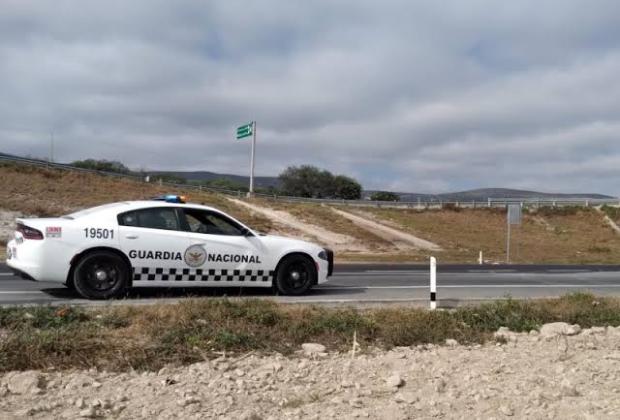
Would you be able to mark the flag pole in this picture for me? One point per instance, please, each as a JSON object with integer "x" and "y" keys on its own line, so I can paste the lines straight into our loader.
{"x": 252, "y": 158}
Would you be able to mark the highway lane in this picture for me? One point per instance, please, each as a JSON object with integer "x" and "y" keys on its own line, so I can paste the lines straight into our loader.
{"x": 370, "y": 283}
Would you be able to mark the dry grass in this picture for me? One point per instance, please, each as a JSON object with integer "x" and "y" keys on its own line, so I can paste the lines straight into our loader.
{"x": 613, "y": 212}
{"x": 562, "y": 235}
{"x": 149, "y": 337}
{"x": 49, "y": 192}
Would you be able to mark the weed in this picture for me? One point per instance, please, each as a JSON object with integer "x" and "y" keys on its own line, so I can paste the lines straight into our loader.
{"x": 611, "y": 211}
{"x": 232, "y": 340}
{"x": 562, "y": 210}
{"x": 150, "y": 337}
{"x": 599, "y": 249}
{"x": 42, "y": 317}
{"x": 451, "y": 207}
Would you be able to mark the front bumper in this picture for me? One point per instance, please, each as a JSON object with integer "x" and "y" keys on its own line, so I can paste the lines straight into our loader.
{"x": 330, "y": 261}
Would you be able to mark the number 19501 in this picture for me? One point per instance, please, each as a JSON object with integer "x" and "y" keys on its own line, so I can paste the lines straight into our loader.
{"x": 97, "y": 233}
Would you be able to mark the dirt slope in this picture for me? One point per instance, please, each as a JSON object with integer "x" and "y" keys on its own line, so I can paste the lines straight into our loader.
{"x": 401, "y": 239}
{"x": 338, "y": 242}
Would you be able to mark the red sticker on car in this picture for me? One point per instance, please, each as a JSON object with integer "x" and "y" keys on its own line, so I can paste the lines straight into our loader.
{"x": 53, "y": 232}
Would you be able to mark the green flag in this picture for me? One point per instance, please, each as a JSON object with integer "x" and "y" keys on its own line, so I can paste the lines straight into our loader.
{"x": 245, "y": 131}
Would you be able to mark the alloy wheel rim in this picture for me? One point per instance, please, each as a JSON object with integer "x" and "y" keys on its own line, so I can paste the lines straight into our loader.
{"x": 102, "y": 276}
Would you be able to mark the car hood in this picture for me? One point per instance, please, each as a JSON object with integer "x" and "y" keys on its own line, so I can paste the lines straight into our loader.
{"x": 283, "y": 240}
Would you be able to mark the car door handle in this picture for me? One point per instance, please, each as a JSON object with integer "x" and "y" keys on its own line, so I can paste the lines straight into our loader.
{"x": 131, "y": 236}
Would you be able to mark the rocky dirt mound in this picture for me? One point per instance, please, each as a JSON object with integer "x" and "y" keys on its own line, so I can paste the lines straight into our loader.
{"x": 559, "y": 372}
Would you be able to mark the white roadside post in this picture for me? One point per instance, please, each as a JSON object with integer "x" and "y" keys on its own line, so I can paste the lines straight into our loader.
{"x": 433, "y": 283}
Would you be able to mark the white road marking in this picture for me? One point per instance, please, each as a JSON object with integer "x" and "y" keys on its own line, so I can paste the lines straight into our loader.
{"x": 372, "y": 274}
{"x": 21, "y": 292}
{"x": 383, "y": 272}
{"x": 480, "y": 286}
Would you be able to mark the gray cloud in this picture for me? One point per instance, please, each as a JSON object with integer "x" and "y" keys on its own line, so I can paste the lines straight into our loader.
{"x": 415, "y": 96}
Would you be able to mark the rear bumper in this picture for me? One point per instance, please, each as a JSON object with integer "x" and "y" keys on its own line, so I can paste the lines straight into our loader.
{"x": 20, "y": 264}
{"x": 22, "y": 274}
{"x": 23, "y": 271}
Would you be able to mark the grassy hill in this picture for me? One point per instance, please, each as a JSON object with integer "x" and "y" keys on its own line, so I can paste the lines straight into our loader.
{"x": 49, "y": 192}
{"x": 561, "y": 235}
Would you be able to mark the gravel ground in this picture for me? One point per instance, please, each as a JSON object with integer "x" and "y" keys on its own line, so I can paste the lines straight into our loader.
{"x": 559, "y": 372}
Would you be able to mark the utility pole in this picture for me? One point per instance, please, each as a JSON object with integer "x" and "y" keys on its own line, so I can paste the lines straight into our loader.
{"x": 52, "y": 147}
{"x": 244, "y": 131}
{"x": 508, "y": 241}
{"x": 252, "y": 158}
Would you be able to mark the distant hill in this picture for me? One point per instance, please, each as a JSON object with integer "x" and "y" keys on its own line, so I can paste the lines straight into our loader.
{"x": 482, "y": 194}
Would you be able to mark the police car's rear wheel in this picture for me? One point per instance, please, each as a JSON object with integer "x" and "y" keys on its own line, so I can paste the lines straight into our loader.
{"x": 295, "y": 275}
{"x": 100, "y": 275}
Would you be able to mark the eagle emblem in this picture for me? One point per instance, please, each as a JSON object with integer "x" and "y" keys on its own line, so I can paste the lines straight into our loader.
{"x": 195, "y": 256}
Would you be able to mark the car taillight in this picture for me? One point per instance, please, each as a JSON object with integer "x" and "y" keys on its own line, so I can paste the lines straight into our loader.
{"x": 29, "y": 233}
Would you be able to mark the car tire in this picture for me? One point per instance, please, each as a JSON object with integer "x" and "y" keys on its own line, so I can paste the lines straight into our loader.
{"x": 101, "y": 275}
{"x": 296, "y": 274}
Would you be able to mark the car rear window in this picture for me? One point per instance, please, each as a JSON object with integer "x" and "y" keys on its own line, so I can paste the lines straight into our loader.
{"x": 164, "y": 218}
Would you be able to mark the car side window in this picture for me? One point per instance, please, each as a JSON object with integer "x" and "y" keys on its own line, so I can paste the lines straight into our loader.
{"x": 164, "y": 218}
{"x": 202, "y": 221}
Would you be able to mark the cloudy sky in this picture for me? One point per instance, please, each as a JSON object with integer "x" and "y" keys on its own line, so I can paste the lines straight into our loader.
{"x": 424, "y": 96}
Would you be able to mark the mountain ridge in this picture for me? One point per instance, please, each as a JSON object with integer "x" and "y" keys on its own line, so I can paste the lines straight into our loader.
{"x": 477, "y": 194}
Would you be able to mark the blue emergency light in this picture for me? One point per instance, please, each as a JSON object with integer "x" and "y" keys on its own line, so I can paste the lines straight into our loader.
{"x": 171, "y": 198}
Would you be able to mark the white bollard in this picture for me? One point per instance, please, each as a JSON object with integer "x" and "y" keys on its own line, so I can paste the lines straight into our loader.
{"x": 433, "y": 283}
{"x": 480, "y": 260}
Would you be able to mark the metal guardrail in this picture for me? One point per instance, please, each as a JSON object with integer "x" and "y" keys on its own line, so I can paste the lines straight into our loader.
{"x": 418, "y": 204}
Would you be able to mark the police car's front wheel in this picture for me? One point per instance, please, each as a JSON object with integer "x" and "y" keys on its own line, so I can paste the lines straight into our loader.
{"x": 100, "y": 275}
{"x": 295, "y": 275}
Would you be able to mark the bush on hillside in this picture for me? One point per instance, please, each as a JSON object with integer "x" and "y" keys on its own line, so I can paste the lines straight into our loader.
{"x": 311, "y": 182}
{"x": 102, "y": 165}
{"x": 384, "y": 196}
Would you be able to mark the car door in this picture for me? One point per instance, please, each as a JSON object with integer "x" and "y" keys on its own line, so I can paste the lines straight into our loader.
{"x": 155, "y": 242}
{"x": 227, "y": 253}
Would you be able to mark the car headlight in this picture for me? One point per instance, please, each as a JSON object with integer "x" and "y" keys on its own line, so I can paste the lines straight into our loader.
{"x": 326, "y": 254}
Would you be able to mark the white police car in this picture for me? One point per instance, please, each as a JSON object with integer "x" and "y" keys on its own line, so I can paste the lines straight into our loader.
{"x": 103, "y": 250}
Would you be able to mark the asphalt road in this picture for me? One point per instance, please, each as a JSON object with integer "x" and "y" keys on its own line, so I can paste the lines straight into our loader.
{"x": 370, "y": 284}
